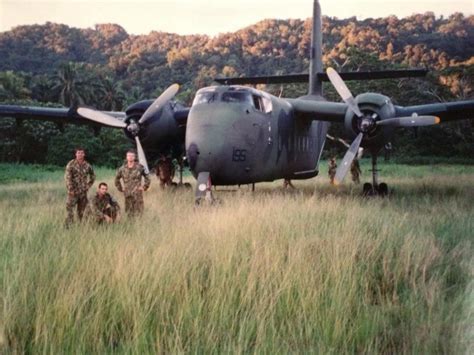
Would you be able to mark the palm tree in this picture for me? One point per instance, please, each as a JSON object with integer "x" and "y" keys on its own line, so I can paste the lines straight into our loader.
{"x": 72, "y": 86}
{"x": 111, "y": 94}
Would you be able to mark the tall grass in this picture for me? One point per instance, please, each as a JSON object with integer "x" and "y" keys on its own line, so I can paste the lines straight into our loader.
{"x": 310, "y": 271}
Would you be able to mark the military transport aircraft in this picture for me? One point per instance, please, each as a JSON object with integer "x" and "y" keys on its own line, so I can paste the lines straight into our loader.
{"x": 236, "y": 134}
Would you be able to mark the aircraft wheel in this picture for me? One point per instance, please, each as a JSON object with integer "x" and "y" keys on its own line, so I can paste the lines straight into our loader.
{"x": 367, "y": 189}
{"x": 383, "y": 189}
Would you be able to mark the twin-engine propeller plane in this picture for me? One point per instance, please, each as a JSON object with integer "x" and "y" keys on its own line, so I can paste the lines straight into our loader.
{"x": 235, "y": 134}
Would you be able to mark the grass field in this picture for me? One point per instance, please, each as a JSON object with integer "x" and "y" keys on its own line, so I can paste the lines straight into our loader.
{"x": 315, "y": 270}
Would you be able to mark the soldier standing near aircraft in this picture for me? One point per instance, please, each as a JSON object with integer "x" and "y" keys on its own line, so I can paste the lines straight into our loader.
{"x": 79, "y": 178}
{"x": 104, "y": 207}
{"x": 131, "y": 174}
{"x": 332, "y": 169}
{"x": 355, "y": 171}
{"x": 165, "y": 171}
{"x": 287, "y": 183}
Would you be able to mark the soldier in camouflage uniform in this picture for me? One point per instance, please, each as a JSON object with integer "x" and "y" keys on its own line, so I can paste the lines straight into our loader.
{"x": 165, "y": 171}
{"x": 332, "y": 168}
{"x": 79, "y": 178}
{"x": 129, "y": 181}
{"x": 104, "y": 207}
{"x": 287, "y": 183}
{"x": 355, "y": 171}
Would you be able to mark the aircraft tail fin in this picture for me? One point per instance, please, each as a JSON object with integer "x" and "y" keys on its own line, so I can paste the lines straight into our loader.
{"x": 316, "y": 55}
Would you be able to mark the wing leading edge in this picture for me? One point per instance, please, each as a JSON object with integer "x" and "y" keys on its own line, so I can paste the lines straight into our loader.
{"x": 448, "y": 111}
{"x": 56, "y": 115}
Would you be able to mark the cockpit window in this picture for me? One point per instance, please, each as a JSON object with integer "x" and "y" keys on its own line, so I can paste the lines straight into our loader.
{"x": 262, "y": 103}
{"x": 236, "y": 96}
{"x": 205, "y": 97}
{"x": 267, "y": 103}
{"x": 257, "y": 102}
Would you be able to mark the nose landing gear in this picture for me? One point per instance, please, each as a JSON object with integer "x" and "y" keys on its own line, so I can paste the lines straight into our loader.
{"x": 204, "y": 189}
{"x": 375, "y": 189}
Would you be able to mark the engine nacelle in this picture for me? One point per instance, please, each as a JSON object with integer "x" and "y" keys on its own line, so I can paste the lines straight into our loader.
{"x": 374, "y": 107}
{"x": 160, "y": 135}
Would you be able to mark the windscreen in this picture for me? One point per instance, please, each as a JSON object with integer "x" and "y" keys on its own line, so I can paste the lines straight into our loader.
{"x": 237, "y": 97}
{"x": 205, "y": 97}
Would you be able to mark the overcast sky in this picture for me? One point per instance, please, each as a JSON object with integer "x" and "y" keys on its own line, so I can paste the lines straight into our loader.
{"x": 205, "y": 16}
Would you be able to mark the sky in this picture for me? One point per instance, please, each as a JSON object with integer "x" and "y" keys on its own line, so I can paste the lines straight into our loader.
{"x": 209, "y": 17}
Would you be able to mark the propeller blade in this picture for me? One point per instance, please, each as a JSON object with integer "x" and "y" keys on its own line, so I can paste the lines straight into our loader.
{"x": 343, "y": 91}
{"x": 141, "y": 155}
{"x": 158, "y": 104}
{"x": 347, "y": 161}
{"x": 100, "y": 117}
{"x": 412, "y": 121}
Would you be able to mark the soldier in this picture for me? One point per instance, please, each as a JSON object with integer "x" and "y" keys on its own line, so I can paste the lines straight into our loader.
{"x": 355, "y": 171}
{"x": 287, "y": 183}
{"x": 131, "y": 174}
{"x": 165, "y": 171}
{"x": 79, "y": 178}
{"x": 104, "y": 207}
{"x": 332, "y": 169}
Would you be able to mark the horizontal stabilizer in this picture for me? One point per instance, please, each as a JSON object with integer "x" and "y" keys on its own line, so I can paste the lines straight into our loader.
{"x": 304, "y": 78}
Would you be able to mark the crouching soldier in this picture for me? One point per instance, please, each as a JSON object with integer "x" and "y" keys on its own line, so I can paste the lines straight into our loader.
{"x": 104, "y": 207}
{"x": 129, "y": 181}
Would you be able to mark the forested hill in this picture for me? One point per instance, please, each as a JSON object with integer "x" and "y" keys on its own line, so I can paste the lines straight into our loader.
{"x": 108, "y": 68}
{"x": 268, "y": 47}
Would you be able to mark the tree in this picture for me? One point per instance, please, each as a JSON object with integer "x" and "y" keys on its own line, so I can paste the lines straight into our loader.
{"x": 72, "y": 86}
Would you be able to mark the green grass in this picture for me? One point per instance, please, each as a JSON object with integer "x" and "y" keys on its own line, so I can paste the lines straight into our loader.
{"x": 316, "y": 270}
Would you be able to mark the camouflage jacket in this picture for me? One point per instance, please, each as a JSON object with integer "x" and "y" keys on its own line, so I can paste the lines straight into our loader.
{"x": 132, "y": 179}
{"x": 79, "y": 177}
{"x": 165, "y": 169}
{"x": 355, "y": 167}
{"x": 101, "y": 204}
{"x": 332, "y": 167}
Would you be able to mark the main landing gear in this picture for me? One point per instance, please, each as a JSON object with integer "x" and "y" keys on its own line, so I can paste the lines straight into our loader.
{"x": 376, "y": 188}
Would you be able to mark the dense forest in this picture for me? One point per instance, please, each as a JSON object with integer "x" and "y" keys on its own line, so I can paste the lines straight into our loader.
{"x": 105, "y": 67}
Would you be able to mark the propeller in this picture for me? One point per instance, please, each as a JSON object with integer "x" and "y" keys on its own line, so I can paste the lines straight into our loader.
{"x": 351, "y": 153}
{"x": 133, "y": 127}
{"x": 368, "y": 122}
{"x": 412, "y": 121}
{"x": 159, "y": 103}
{"x": 141, "y": 155}
{"x": 101, "y": 117}
{"x": 343, "y": 91}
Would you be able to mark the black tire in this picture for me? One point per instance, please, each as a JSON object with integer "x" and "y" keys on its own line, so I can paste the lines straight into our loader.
{"x": 383, "y": 189}
{"x": 367, "y": 189}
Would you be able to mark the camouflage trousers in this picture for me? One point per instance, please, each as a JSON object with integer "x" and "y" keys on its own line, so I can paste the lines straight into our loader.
{"x": 111, "y": 212}
{"x": 134, "y": 204}
{"x": 332, "y": 175}
{"x": 355, "y": 178}
{"x": 81, "y": 202}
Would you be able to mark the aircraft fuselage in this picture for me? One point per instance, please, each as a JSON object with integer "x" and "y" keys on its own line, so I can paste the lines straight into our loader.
{"x": 241, "y": 135}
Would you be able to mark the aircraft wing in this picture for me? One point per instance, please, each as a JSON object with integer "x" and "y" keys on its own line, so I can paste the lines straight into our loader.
{"x": 448, "y": 111}
{"x": 335, "y": 112}
{"x": 318, "y": 110}
{"x": 56, "y": 115}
